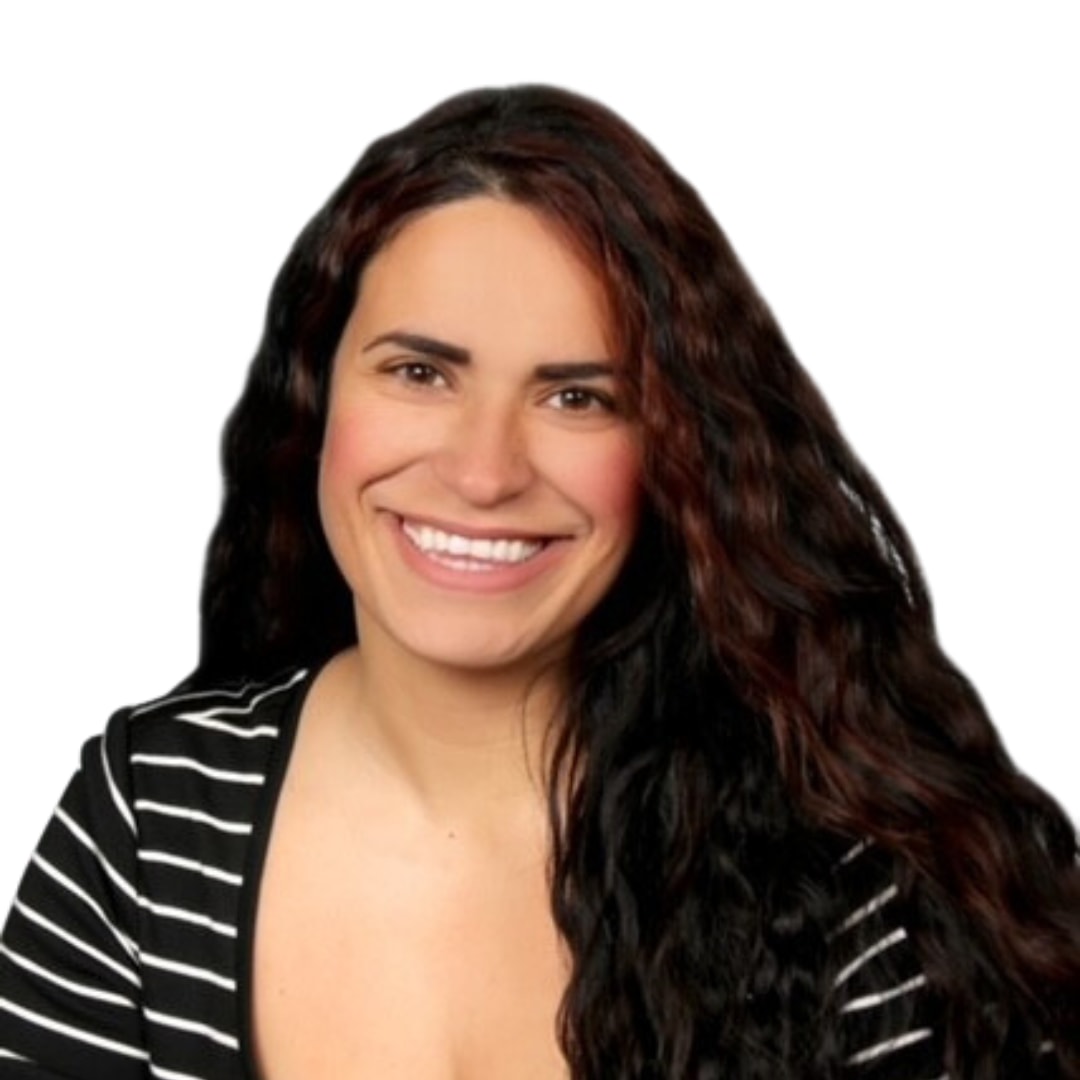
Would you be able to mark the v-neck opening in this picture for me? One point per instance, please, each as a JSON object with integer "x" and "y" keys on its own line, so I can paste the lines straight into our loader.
{"x": 255, "y": 864}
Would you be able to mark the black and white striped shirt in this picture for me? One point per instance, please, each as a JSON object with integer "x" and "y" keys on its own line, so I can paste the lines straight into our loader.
{"x": 127, "y": 953}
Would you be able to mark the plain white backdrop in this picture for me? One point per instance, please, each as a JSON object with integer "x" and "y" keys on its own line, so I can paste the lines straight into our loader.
{"x": 900, "y": 180}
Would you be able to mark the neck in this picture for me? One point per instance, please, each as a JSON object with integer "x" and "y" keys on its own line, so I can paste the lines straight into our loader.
{"x": 468, "y": 747}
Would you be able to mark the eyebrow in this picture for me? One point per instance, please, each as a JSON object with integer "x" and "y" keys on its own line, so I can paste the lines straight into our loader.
{"x": 455, "y": 354}
{"x": 427, "y": 346}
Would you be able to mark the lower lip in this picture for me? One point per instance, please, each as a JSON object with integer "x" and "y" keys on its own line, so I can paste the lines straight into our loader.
{"x": 489, "y": 577}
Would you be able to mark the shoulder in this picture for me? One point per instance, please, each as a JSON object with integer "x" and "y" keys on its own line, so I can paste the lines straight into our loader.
{"x": 189, "y": 748}
{"x": 229, "y": 722}
{"x": 123, "y": 937}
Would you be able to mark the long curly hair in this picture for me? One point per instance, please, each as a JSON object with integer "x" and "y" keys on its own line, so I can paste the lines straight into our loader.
{"x": 762, "y": 684}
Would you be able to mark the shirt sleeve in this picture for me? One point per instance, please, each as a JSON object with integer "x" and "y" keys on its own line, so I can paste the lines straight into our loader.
{"x": 70, "y": 984}
{"x": 889, "y": 1023}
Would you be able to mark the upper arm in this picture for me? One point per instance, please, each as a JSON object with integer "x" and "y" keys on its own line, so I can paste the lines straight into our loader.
{"x": 70, "y": 983}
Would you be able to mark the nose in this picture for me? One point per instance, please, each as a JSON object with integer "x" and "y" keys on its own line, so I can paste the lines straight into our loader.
{"x": 483, "y": 453}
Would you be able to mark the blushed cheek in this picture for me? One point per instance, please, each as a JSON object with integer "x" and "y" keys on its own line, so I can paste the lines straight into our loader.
{"x": 611, "y": 488}
{"x": 340, "y": 475}
{"x": 354, "y": 444}
{"x": 337, "y": 450}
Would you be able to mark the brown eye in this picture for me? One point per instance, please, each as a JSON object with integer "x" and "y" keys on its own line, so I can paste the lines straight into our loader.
{"x": 582, "y": 399}
{"x": 417, "y": 373}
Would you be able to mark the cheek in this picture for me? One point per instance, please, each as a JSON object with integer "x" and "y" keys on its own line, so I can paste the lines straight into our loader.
{"x": 358, "y": 446}
{"x": 336, "y": 465}
{"x": 607, "y": 484}
{"x": 348, "y": 460}
{"x": 343, "y": 451}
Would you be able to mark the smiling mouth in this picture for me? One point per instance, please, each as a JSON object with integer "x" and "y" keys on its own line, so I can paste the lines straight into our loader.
{"x": 460, "y": 552}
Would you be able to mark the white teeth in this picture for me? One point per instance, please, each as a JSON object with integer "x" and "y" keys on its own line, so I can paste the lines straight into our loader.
{"x": 431, "y": 540}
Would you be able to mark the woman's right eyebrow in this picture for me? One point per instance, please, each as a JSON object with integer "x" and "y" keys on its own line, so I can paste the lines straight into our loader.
{"x": 420, "y": 343}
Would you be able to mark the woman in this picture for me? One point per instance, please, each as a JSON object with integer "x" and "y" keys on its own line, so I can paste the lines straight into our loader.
{"x": 569, "y": 700}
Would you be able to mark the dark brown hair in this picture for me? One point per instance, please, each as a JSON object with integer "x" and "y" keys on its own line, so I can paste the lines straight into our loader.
{"x": 765, "y": 676}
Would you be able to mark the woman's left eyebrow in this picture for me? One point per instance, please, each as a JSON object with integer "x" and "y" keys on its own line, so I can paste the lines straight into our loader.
{"x": 585, "y": 369}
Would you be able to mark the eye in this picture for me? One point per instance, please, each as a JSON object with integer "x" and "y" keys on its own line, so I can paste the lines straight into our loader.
{"x": 416, "y": 373}
{"x": 582, "y": 399}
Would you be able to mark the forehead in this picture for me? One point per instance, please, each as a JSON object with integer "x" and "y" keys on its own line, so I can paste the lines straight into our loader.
{"x": 486, "y": 266}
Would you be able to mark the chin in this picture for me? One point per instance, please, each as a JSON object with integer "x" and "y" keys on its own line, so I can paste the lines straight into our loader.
{"x": 476, "y": 649}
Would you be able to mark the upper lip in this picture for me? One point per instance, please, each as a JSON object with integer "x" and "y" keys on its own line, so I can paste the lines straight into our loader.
{"x": 480, "y": 532}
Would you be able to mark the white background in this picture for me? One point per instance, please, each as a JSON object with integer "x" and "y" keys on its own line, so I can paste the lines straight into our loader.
{"x": 900, "y": 179}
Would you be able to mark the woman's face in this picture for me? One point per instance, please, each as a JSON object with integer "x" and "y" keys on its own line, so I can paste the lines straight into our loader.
{"x": 479, "y": 483}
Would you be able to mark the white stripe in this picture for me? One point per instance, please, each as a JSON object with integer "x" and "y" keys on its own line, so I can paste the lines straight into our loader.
{"x": 166, "y": 911}
{"x": 87, "y": 841}
{"x": 240, "y": 828}
{"x": 71, "y": 939}
{"x": 68, "y": 984}
{"x": 189, "y": 970}
{"x": 868, "y": 1001}
{"x": 195, "y": 918}
{"x": 853, "y": 853}
{"x": 114, "y": 791}
{"x": 73, "y": 1032}
{"x": 263, "y": 730}
{"x": 194, "y": 695}
{"x": 172, "y": 1074}
{"x": 12, "y": 1055}
{"x": 859, "y": 914}
{"x": 78, "y": 891}
{"x": 168, "y": 762}
{"x": 889, "y": 1046}
{"x": 191, "y": 864}
{"x": 880, "y": 946}
{"x": 178, "y": 1023}
{"x": 215, "y": 712}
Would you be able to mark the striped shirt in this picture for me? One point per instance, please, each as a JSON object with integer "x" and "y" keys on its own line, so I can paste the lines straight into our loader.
{"x": 127, "y": 953}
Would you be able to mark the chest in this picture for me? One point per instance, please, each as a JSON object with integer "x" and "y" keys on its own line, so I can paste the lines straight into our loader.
{"x": 381, "y": 959}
